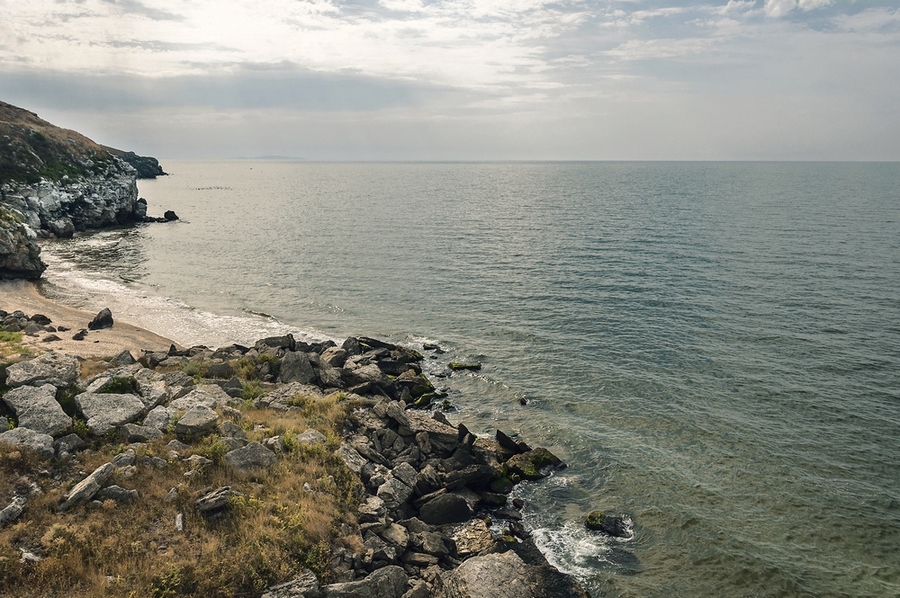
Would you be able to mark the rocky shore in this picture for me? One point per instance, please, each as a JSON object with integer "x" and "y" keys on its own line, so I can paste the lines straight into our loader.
{"x": 55, "y": 182}
{"x": 425, "y": 503}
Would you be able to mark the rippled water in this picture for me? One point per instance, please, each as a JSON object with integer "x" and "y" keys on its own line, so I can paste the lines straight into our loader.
{"x": 714, "y": 348}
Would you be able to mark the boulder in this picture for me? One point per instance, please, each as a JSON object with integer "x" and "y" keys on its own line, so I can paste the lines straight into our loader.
{"x": 311, "y": 436}
{"x": 159, "y": 418}
{"x": 506, "y": 575}
{"x": 613, "y": 525}
{"x": 199, "y": 397}
{"x": 214, "y": 501}
{"x": 105, "y": 411}
{"x": 85, "y": 490}
{"x": 50, "y": 368}
{"x": 296, "y": 367}
{"x": 533, "y": 464}
{"x": 250, "y": 458}
{"x": 304, "y": 585}
{"x": 387, "y": 582}
{"x": 37, "y": 409}
{"x": 102, "y": 320}
{"x": 42, "y": 444}
{"x": 445, "y": 508}
{"x": 197, "y": 421}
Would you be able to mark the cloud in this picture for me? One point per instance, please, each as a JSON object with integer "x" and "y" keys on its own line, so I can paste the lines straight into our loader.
{"x": 779, "y": 8}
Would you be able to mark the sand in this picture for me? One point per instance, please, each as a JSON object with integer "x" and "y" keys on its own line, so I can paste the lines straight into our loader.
{"x": 25, "y": 296}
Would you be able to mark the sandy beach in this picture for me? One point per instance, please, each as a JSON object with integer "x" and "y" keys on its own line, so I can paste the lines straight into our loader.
{"x": 26, "y": 297}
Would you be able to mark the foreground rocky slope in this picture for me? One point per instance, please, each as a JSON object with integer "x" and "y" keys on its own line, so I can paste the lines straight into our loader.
{"x": 55, "y": 181}
{"x": 418, "y": 507}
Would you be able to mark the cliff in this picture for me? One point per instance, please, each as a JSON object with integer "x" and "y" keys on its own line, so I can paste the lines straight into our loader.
{"x": 55, "y": 181}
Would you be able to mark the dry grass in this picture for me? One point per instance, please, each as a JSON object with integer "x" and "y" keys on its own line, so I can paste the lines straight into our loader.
{"x": 286, "y": 518}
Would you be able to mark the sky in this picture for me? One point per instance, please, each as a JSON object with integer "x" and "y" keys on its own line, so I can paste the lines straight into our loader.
{"x": 463, "y": 79}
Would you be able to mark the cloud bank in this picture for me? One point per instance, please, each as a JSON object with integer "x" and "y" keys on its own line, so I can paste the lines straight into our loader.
{"x": 468, "y": 79}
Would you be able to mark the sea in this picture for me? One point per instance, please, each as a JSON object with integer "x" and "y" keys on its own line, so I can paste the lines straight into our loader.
{"x": 712, "y": 347}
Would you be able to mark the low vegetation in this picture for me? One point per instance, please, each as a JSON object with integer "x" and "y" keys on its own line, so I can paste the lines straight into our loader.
{"x": 286, "y": 517}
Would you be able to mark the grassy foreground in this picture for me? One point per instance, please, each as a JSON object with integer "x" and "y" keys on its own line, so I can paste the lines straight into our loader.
{"x": 292, "y": 515}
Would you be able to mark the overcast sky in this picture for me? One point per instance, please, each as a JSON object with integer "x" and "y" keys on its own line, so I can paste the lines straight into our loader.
{"x": 465, "y": 79}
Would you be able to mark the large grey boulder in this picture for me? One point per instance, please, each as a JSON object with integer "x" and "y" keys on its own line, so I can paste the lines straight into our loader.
{"x": 304, "y": 585}
{"x": 296, "y": 367}
{"x": 85, "y": 490}
{"x": 49, "y": 368}
{"x": 197, "y": 421}
{"x": 40, "y": 443}
{"x": 106, "y": 411}
{"x": 446, "y": 508}
{"x": 387, "y": 582}
{"x": 37, "y": 409}
{"x": 159, "y": 418}
{"x": 208, "y": 395}
{"x": 506, "y": 575}
{"x": 251, "y": 458}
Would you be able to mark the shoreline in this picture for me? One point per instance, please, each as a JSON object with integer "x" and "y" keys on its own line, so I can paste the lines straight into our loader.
{"x": 25, "y": 296}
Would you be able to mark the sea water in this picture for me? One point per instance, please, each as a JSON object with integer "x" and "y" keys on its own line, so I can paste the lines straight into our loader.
{"x": 713, "y": 348}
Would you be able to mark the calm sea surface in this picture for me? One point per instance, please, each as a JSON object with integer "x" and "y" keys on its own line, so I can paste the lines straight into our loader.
{"x": 714, "y": 348}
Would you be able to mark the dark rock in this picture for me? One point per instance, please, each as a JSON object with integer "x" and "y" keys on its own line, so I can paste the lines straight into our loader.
{"x": 122, "y": 359}
{"x": 285, "y": 342}
{"x": 170, "y": 216}
{"x": 613, "y": 525}
{"x": 296, "y": 367}
{"x": 456, "y": 366}
{"x": 533, "y": 464}
{"x": 40, "y": 320}
{"x": 219, "y": 370}
{"x": 80, "y": 335}
{"x": 102, "y": 320}
{"x": 446, "y": 508}
{"x": 508, "y": 443}
{"x": 250, "y": 458}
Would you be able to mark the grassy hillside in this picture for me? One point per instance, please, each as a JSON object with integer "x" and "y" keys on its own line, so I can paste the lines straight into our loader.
{"x": 31, "y": 149}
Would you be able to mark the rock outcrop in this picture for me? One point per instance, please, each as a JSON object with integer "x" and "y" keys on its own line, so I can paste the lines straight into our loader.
{"x": 56, "y": 182}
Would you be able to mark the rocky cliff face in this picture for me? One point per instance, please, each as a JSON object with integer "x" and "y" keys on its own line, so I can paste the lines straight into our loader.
{"x": 55, "y": 181}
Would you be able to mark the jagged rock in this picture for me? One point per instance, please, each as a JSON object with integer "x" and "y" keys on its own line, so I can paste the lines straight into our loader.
{"x": 106, "y": 411}
{"x": 285, "y": 342}
{"x": 250, "y": 458}
{"x": 36, "y": 408}
{"x": 311, "y": 436}
{"x": 506, "y": 575}
{"x": 116, "y": 493}
{"x": 197, "y": 421}
{"x": 444, "y": 438}
{"x": 613, "y": 525}
{"x": 199, "y": 397}
{"x": 42, "y": 444}
{"x": 351, "y": 458}
{"x": 49, "y": 368}
{"x": 446, "y": 508}
{"x": 198, "y": 462}
{"x": 296, "y": 367}
{"x": 533, "y": 464}
{"x": 395, "y": 534}
{"x": 388, "y": 582}
{"x": 125, "y": 458}
{"x": 136, "y": 433}
{"x": 229, "y": 429}
{"x": 220, "y": 370}
{"x": 215, "y": 501}
{"x": 89, "y": 486}
{"x": 394, "y": 492}
{"x": 69, "y": 443}
{"x": 305, "y": 585}
{"x": 334, "y": 357}
{"x": 13, "y": 510}
{"x": 159, "y": 418}
{"x": 123, "y": 358}
{"x": 472, "y": 538}
{"x": 102, "y": 320}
